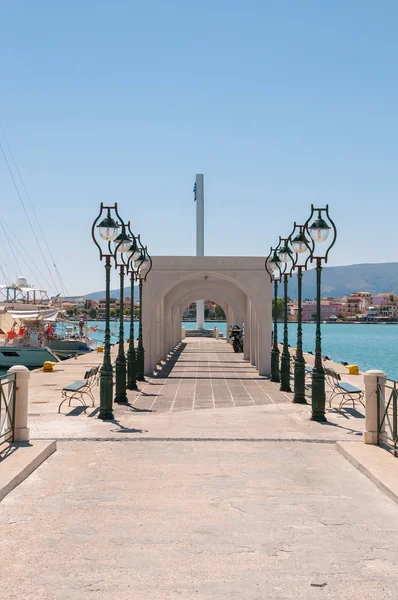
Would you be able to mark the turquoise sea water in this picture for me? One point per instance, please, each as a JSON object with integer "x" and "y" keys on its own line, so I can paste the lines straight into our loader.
{"x": 368, "y": 346}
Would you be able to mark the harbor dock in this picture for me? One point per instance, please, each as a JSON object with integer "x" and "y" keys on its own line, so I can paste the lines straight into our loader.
{"x": 209, "y": 483}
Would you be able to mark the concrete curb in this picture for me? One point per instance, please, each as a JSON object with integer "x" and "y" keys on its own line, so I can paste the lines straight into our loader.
{"x": 24, "y": 458}
{"x": 374, "y": 462}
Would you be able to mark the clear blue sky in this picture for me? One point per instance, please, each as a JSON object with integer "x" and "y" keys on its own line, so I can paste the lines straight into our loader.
{"x": 279, "y": 104}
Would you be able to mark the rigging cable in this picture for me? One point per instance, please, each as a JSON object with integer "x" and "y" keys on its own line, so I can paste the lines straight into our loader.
{"x": 11, "y": 249}
{"x": 62, "y": 284}
{"x": 27, "y": 215}
{"x": 6, "y": 254}
{"x": 4, "y": 222}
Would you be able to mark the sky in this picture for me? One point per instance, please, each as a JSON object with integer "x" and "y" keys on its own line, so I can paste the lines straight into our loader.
{"x": 279, "y": 103}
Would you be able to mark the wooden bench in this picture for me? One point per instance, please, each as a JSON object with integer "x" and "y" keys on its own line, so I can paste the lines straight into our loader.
{"x": 348, "y": 392}
{"x": 79, "y": 389}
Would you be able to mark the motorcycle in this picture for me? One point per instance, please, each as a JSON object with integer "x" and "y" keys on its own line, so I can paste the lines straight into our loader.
{"x": 236, "y": 335}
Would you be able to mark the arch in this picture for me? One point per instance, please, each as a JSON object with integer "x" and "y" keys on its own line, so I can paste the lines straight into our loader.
{"x": 239, "y": 285}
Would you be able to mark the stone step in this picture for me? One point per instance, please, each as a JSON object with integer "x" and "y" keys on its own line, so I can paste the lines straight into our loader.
{"x": 205, "y": 333}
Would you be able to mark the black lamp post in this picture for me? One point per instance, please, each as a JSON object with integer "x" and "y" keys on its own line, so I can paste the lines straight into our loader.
{"x": 300, "y": 246}
{"x": 273, "y": 266}
{"x": 143, "y": 266}
{"x": 122, "y": 244}
{"x": 134, "y": 254}
{"x": 107, "y": 228}
{"x": 285, "y": 256}
{"x": 318, "y": 232}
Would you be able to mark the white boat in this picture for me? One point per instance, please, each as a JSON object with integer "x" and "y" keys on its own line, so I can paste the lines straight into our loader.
{"x": 71, "y": 339}
{"x": 24, "y": 343}
{"x": 25, "y": 355}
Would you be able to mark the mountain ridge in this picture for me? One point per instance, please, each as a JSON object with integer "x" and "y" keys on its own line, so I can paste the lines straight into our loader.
{"x": 336, "y": 281}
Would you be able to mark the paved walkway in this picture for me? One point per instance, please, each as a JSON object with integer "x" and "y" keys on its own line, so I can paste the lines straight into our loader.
{"x": 207, "y": 374}
{"x": 235, "y": 502}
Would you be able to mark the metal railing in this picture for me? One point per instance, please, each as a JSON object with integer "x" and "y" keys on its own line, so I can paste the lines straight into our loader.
{"x": 7, "y": 410}
{"x": 387, "y": 421}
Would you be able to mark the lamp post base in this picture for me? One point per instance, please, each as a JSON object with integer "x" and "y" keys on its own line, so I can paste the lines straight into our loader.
{"x": 299, "y": 381}
{"x": 106, "y": 414}
{"x": 275, "y": 376}
{"x": 140, "y": 362}
{"x": 285, "y": 374}
{"x": 120, "y": 368}
{"x": 318, "y": 418}
{"x": 132, "y": 387}
{"x": 318, "y": 395}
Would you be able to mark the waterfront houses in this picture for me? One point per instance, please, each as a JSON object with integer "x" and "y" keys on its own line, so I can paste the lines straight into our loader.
{"x": 358, "y": 306}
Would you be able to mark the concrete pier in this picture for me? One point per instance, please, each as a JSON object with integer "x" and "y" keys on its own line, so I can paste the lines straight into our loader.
{"x": 209, "y": 484}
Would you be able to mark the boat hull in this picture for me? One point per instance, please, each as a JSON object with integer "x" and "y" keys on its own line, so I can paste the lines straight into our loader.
{"x": 28, "y": 357}
{"x": 67, "y": 348}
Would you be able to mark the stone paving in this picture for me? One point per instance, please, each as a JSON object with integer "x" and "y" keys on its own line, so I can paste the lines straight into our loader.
{"x": 246, "y": 499}
{"x": 208, "y": 374}
{"x": 203, "y": 520}
{"x": 200, "y": 376}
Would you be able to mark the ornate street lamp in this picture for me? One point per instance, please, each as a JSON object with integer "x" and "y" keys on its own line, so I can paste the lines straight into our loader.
{"x": 318, "y": 232}
{"x": 285, "y": 256}
{"x": 300, "y": 247}
{"x": 122, "y": 244}
{"x": 274, "y": 268}
{"x": 134, "y": 253}
{"x": 107, "y": 228}
{"x": 143, "y": 266}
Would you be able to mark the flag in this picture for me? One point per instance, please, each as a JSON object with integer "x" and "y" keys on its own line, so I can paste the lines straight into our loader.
{"x": 194, "y": 192}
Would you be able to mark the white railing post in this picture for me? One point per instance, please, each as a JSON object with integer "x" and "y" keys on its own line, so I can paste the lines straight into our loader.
{"x": 22, "y": 376}
{"x": 216, "y": 333}
{"x": 182, "y": 333}
{"x": 370, "y": 378}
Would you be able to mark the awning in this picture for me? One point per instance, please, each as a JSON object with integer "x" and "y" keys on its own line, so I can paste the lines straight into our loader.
{"x": 34, "y": 315}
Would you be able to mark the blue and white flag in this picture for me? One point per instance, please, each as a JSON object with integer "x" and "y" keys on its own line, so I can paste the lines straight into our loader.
{"x": 194, "y": 192}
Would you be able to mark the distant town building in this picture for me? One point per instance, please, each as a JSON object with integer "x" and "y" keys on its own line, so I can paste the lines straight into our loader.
{"x": 72, "y": 301}
{"x": 330, "y": 310}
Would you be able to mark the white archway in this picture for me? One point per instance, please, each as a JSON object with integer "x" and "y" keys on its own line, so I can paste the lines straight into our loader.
{"x": 239, "y": 284}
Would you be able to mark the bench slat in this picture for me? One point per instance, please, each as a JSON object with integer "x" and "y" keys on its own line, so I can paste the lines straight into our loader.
{"x": 347, "y": 387}
{"x": 73, "y": 387}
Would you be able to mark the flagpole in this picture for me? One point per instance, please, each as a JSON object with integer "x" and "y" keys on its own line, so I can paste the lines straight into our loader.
{"x": 200, "y": 241}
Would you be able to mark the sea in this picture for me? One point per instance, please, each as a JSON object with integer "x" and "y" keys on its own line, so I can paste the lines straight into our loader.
{"x": 370, "y": 346}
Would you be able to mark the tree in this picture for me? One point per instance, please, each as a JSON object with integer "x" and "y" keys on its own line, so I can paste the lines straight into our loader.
{"x": 220, "y": 314}
{"x": 279, "y": 310}
{"x": 207, "y": 312}
{"x": 112, "y": 312}
{"x": 93, "y": 313}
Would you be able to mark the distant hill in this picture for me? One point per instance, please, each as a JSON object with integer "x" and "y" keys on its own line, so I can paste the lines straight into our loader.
{"x": 340, "y": 281}
{"x": 114, "y": 294}
{"x": 336, "y": 281}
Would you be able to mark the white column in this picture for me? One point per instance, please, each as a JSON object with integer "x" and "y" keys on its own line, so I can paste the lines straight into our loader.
{"x": 200, "y": 314}
{"x": 22, "y": 376}
{"x": 246, "y": 339}
{"x": 200, "y": 242}
{"x": 253, "y": 336}
{"x": 371, "y": 425}
{"x": 229, "y": 322}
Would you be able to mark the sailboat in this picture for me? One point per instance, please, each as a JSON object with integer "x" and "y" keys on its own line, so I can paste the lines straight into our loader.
{"x": 24, "y": 343}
